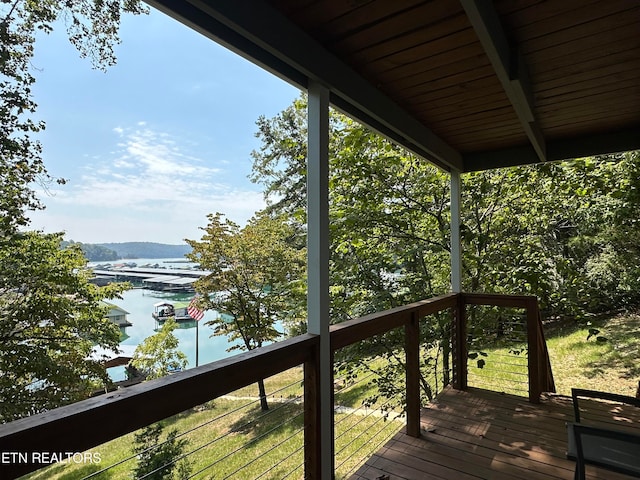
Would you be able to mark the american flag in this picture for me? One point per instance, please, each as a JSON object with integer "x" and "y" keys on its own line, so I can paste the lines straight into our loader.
{"x": 193, "y": 311}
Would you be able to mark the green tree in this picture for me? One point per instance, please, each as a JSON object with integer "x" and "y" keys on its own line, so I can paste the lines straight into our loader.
{"x": 389, "y": 224}
{"x": 599, "y": 239}
{"x": 50, "y": 320}
{"x": 256, "y": 279}
{"x": 158, "y": 355}
{"x": 50, "y": 315}
{"x": 160, "y": 460}
{"x": 389, "y": 215}
{"x": 561, "y": 231}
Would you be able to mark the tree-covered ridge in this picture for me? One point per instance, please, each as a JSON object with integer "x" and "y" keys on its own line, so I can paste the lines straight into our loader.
{"x": 101, "y": 252}
{"x": 146, "y": 249}
{"x": 92, "y": 252}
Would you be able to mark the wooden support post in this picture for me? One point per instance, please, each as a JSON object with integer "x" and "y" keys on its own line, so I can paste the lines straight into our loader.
{"x": 312, "y": 420}
{"x": 412, "y": 352}
{"x": 459, "y": 340}
{"x": 535, "y": 381}
{"x": 318, "y": 299}
{"x": 456, "y": 245}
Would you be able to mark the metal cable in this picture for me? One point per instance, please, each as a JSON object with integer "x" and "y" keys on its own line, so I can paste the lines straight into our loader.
{"x": 250, "y": 442}
{"x": 272, "y": 447}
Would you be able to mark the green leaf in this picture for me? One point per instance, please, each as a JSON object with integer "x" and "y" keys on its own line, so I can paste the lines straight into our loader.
{"x": 592, "y": 333}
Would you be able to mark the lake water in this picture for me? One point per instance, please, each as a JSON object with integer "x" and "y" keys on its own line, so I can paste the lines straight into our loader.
{"x": 139, "y": 303}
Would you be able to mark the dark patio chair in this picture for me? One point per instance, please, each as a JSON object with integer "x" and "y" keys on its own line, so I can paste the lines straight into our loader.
{"x": 600, "y": 445}
{"x": 610, "y": 449}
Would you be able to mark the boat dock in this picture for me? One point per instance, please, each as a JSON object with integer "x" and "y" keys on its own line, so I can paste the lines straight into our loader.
{"x": 161, "y": 279}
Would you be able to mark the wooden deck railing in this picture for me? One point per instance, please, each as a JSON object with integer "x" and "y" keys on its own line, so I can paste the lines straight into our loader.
{"x": 86, "y": 424}
{"x": 539, "y": 365}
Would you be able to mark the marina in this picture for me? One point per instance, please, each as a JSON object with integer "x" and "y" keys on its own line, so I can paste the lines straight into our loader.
{"x": 141, "y": 304}
{"x": 154, "y": 278}
{"x": 142, "y": 310}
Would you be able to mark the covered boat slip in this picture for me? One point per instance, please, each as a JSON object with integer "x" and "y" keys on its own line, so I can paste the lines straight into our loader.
{"x": 160, "y": 279}
{"x": 483, "y": 434}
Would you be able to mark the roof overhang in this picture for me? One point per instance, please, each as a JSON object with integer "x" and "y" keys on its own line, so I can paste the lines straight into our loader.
{"x": 468, "y": 85}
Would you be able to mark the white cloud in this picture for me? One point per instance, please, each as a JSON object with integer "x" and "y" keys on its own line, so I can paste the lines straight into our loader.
{"x": 151, "y": 188}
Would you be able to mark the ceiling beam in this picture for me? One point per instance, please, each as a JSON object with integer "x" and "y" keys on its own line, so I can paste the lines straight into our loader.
{"x": 565, "y": 149}
{"x": 509, "y": 67}
{"x": 258, "y": 32}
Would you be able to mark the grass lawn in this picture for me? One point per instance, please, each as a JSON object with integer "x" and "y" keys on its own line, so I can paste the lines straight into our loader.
{"x": 612, "y": 365}
{"x": 231, "y": 438}
{"x": 609, "y": 365}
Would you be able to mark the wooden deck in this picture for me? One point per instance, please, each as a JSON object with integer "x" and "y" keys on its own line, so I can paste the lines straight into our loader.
{"x": 482, "y": 434}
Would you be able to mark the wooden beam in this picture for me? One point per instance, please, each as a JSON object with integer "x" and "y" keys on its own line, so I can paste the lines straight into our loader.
{"x": 509, "y": 66}
{"x": 312, "y": 418}
{"x": 561, "y": 149}
{"x": 258, "y": 32}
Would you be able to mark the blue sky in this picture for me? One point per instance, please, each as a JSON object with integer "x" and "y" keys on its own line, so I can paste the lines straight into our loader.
{"x": 156, "y": 143}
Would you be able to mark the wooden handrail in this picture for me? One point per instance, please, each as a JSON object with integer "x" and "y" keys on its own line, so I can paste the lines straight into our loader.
{"x": 88, "y": 423}
{"x": 538, "y": 362}
{"x": 352, "y": 331}
{"x": 498, "y": 300}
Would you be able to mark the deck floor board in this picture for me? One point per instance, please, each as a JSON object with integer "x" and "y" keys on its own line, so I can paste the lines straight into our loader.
{"x": 479, "y": 434}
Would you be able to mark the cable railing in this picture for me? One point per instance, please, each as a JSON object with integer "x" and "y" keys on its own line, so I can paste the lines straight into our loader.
{"x": 511, "y": 354}
{"x": 268, "y": 442}
{"x": 360, "y": 422}
{"x": 498, "y": 350}
{"x": 219, "y": 393}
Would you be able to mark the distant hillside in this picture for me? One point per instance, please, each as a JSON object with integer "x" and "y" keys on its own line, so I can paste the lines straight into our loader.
{"x": 92, "y": 252}
{"x": 147, "y": 249}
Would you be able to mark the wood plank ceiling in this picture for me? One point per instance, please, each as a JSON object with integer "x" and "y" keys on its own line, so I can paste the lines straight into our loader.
{"x": 570, "y": 83}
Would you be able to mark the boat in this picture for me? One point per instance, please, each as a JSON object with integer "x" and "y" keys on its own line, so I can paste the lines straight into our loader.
{"x": 162, "y": 311}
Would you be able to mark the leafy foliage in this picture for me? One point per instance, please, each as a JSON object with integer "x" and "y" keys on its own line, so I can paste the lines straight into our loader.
{"x": 158, "y": 355}
{"x": 50, "y": 320}
{"x": 160, "y": 460}
{"x": 565, "y": 232}
{"x": 256, "y": 278}
{"x": 50, "y": 315}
